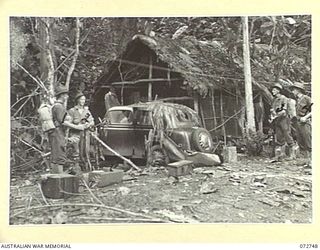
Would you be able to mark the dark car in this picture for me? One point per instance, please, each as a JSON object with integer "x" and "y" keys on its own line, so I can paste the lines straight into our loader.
{"x": 130, "y": 131}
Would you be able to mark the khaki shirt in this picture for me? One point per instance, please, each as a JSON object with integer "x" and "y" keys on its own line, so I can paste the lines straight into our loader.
{"x": 303, "y": 103}
{"x": 58, "y": 113}
{"x": 280, "y": 103}
{"x": 77, "y": 116}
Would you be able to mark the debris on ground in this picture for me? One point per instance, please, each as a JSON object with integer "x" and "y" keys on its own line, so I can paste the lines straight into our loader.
{"x": 249, "y": 191}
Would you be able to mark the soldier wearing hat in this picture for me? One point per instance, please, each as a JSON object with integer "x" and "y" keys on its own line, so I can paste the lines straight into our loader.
{"x": 281, "y": 120}
{"x": 302, "y": 121}
{"x": 80, "y": 140}
{"x": 57, "y": 135}
{"x": 111, "y": 99}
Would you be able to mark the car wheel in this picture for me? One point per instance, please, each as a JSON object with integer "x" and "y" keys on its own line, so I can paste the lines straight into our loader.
{"x": 157, "y": 156}
{"x": 202, "y": 140}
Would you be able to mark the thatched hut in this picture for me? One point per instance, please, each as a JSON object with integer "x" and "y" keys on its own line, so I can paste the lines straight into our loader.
{"x": 201, "y": 75}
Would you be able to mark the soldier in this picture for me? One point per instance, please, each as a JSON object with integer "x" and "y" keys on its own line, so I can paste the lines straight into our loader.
{"x": 281, "y": 120}
{"x": 57, "y": 135}
{"x": 80, "y": 114}
{"x": 111, "y": 99}
{"x": 302, "y": 121}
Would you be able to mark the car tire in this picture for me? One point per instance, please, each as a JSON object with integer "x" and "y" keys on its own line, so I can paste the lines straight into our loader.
{"x": 157, "y": 156}
{"x": 202, "y": 140}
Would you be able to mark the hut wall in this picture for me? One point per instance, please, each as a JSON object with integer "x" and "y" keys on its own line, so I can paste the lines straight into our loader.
{"x": 214, "y": 119}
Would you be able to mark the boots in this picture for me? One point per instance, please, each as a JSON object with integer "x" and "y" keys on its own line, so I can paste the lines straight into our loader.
{"x": 278, "y": 153}
{"x": 293, "y": 152}
{"x": 309, "y": 158}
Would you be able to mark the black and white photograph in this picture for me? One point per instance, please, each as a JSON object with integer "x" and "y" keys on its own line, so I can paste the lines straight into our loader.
{"x": 160, "y": 120}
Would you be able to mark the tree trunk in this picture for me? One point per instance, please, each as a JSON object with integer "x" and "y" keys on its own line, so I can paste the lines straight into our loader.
{"x": 75, "y": 56}
{"x": 42, "y": 45}
{"x": 47, "y": 74}
{"x": 247, "y": 75}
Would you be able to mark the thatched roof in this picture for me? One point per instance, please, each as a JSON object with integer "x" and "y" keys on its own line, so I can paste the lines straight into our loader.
{"x": 201, "y": 64}
{"x": 205, "y": 64}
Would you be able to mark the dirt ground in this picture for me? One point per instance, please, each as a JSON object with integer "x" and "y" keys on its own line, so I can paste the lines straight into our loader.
{"x": 252, "y": 190}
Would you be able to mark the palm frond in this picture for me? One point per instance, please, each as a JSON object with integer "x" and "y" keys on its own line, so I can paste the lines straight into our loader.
{"x": 163, "y": 115}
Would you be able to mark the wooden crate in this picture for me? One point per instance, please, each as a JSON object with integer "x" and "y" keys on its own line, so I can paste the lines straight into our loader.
{"x": 58, "y": 186}
{"x": 104, "y": 178}
{"x": 230, "y": 154}
{"x": 179, "y": 168}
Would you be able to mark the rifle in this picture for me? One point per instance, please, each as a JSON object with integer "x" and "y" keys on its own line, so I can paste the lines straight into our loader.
{"x": 275, "y": 114}
{"x": 93, "y": 129}
{"x": 85, "y": 120}
{"x": 307, "y": 110}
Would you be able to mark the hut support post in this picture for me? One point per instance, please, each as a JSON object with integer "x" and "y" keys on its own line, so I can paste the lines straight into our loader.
{"x": 260, "y": 122}
{"x": 213, "y": 108}
{"x": 237, "y": 105}
{"x": 202, "y": 117}
{"x": 150, "y": 77}
{"x": 196, "y": 103}
{"x": 168, "y": 77}
{"x": 222, "y": 120}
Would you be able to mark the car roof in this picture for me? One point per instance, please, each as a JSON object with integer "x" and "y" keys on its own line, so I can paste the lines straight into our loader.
{"x": 120, "y": 108}
{"x": 143, "y": 106}
{"x": 140, "y": 105}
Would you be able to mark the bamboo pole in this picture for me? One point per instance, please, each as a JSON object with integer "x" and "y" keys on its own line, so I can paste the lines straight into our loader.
{"x": 213, "y": 108}
{"x": 150, "y": 77}
{"x": 202, "y": 117}
{"x": 196, "y": 103}
{"x": 115, "y": 153}
{"x": 262, "y": 115}
{"x": 237, "y": 104}
{"x": 180, "y": 98}
{"x": 169, "y": 77}
{"x": 122, "y": 84}
{"x": 222, "y": 120}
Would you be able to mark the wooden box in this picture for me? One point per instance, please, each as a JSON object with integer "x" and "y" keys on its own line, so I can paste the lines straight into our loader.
{"x": 104, "y": 178}
{"x": 58, "y": 186}
{"x": 180, "y": 168}
{"x": 230, "y": 154}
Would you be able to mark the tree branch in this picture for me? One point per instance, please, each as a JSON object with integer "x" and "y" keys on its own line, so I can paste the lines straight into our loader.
{"x": 43, "y": 197}
{"x": 72, "y": 50}
{"x": 26, "y": 96}
{"x": 41, "y": 84}
{"x": 29, "y": 97}
{"x": 86, "y": 205}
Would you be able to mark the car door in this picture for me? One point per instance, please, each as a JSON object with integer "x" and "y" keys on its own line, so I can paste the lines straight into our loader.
{"x": 119, "y": 132}
{"x": 142, "y": 125}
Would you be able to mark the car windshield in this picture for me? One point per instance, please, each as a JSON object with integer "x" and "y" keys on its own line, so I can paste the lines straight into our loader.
{"x": 142, "y": 117}
{"x": 120, "y": 117}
